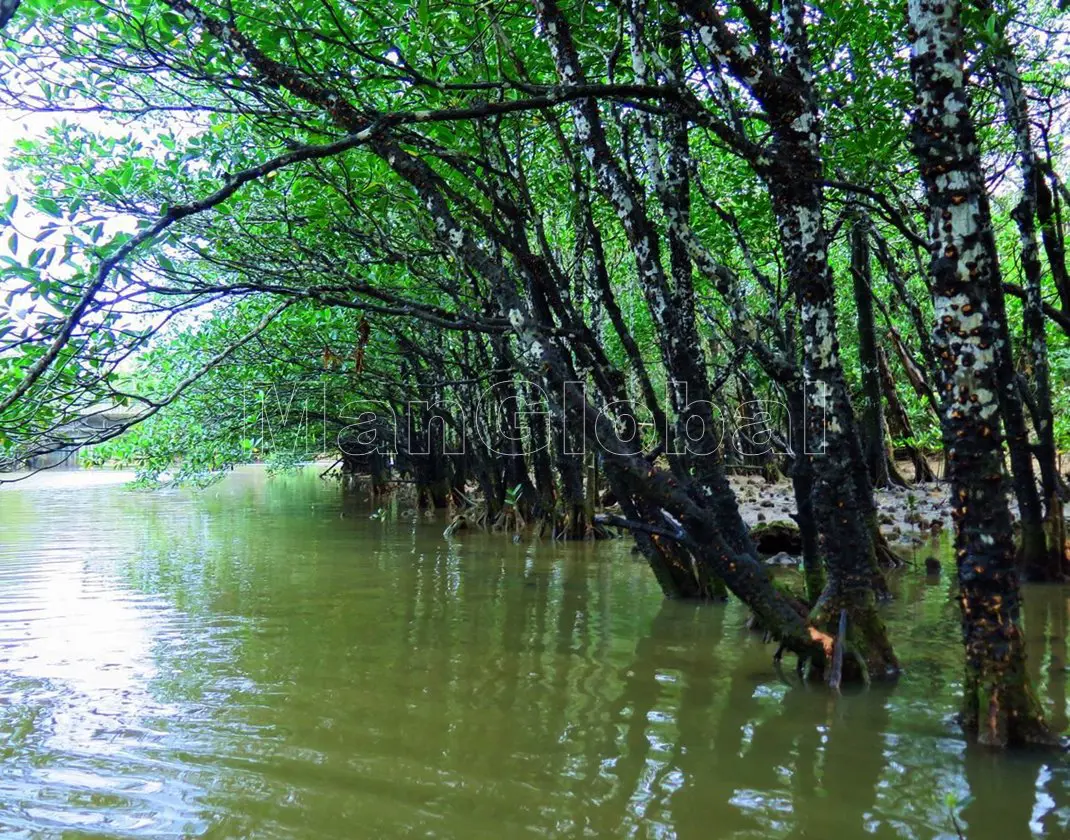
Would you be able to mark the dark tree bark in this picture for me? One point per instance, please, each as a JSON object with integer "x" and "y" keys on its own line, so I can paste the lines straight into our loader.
{"x": 802, "y": 485}
{"x": 1052, "y": 235}
{"x": 516, "y": 477}
{"x": 672, "y": 310}
{"x": 542, "y": 472}
{"x": 753, "y": 437}
{"x": 842, "y": 500}
{"x": 999, "y": 706}
{"x": 1032, "y": 547}
{"x": 1038, "y": 565}
{"x": 842, "y": 496}
{"x": 873, "y": 432}
{"x": 920, "y": 371}
{"x": 899, "y": 421}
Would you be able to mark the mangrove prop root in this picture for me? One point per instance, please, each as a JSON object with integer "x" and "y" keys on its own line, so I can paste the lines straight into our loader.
{"x": 836, "y": 668}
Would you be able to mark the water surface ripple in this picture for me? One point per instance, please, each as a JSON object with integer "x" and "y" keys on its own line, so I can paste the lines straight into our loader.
{"x": 262, "y": 659}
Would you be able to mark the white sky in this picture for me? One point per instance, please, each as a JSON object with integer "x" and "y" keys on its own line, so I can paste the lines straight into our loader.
{"x": 27, "y": 222}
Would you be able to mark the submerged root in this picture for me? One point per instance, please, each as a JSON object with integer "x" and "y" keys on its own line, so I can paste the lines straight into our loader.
{"x": 556, "y": 525}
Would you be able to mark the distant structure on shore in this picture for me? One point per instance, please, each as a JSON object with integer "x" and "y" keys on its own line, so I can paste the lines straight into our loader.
{"x": 60, "y": 448}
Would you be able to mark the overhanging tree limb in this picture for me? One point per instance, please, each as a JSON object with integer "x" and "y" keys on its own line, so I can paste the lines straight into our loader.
{"x": 154, "y": 406}
{"x": 173, "y": 214}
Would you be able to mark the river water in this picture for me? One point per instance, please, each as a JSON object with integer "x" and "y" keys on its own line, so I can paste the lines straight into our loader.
{"x": 263, "y": 659}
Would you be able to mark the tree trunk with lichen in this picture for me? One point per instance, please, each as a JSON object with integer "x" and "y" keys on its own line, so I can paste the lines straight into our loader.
{"x": 999, "y": 706}
{"x": 696, "y": 458}
{"x": 842, "y": 507}
{"x": 841, "y": 499}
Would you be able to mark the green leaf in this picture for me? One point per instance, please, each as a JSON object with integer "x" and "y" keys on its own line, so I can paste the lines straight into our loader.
{"x": 49, "y": 206}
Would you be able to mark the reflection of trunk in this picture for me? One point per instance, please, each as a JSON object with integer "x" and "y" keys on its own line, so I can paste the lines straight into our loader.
{"x": 854, "y": 765}
{"x": 694, "y": 706}
{"x": 1044, "y": 613}
{"x": 733, "y": 741}
{"x": 874, "y": 447}
{"x": 999, "y": 704}
{"x": 627, "y": 735}
{"x": 1002, "y": 799}
{"x": 1057, "y": 608}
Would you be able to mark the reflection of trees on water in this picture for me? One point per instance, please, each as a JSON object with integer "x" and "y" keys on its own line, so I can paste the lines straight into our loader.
{"x": 1045, "y": 612}
{"x": 750, "y": 757}
{"x": 484, "y": 688}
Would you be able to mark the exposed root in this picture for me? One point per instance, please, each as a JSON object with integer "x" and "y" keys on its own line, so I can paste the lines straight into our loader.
{"x": 886, "y": 556}
{"x": 510, "y": 520}
{"x": 475, "y": 517}
{"x": 555, "y": 525}
{"x": 574, "y": 524}
{"x": 836, "y": 659}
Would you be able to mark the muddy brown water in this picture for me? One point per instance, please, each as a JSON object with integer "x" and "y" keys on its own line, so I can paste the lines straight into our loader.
{"x": 262, "y": 659}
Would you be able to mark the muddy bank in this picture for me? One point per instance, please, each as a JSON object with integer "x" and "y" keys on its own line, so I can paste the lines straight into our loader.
{"x": 910, "y": 517}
